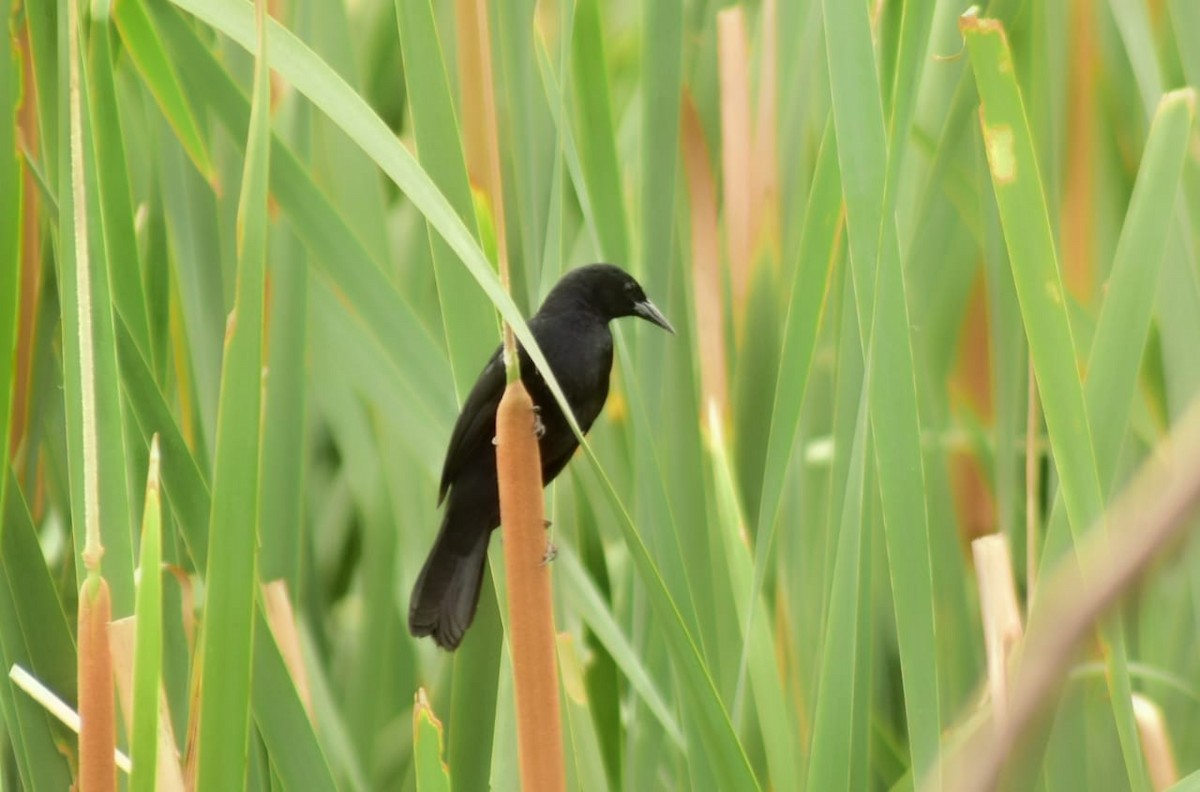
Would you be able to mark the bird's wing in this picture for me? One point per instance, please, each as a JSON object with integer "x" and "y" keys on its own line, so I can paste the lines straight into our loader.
{"x": 476, "y": 423}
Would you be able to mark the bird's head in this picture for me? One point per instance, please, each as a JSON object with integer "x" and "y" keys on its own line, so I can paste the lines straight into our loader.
{"x": 610, "y": 291}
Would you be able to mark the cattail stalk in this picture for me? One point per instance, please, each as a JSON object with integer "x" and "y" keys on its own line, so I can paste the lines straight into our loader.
{"x": 97, "y": 732}
{"x": 97, "y": 729}
{"x": 530, "y": 617}
{"x": 518, "y": 461}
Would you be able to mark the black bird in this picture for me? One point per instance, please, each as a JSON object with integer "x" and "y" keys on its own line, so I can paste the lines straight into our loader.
{"x": 571, "y": 328}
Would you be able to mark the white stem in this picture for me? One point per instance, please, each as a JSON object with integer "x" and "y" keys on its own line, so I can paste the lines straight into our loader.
{"x": 83, "y": 288}
{"x": 55, "y": 706}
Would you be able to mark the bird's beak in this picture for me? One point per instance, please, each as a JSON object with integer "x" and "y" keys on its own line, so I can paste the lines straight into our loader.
{"x": 649, "y": 311}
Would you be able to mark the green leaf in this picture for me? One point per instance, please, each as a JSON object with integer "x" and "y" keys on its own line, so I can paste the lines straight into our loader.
{"x": 112, "y": 176}
{"x": 585, "y": 766}
{"x": 33, "y": 634}
{"x": 475, "y": 686}
{"x": 774, "y": 718}
{"x": 288, "y": 734}
{"x": 147, "y": 662}
{"x": 432, "y": 773}
{"x": 147, "y": 52}
{"x": 527, "y": 133}
{"x": 597, "y": 150}
{"x": 285, "y": 442}
{"x": 468, "y": 319}
{"x": 183, "y": 481}
{"x": 723, "y": 751}
{"x": 340, "y": 103}
{"x": 373, "y": 302}
{"x": 819, "y": 246}
{"x": 589, "y": 604}
{"x": 1019, "y": 195}
{"x": 278, "y": 713}
{"x": 662, "y": 65}
{"x": 109, "y": 465}
{"x": 1123, "y": 326}
{"x": 885, "y": 329}
{"x": 839, "y": 749}
{"x": 228, "y": 644}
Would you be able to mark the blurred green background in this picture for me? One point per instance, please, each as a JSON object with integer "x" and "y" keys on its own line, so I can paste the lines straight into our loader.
{"x": 764, "y": 576}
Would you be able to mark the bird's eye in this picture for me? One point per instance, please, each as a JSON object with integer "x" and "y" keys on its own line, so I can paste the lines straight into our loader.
{"x": 630, "y": 286}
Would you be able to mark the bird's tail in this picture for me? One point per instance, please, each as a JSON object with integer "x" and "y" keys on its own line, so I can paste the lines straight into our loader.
{"x": 447, "y": 591}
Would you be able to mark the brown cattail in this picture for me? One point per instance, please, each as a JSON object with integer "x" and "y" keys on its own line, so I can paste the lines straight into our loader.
{"x": 530, "y": 616}
{"x": 706, "y": 258}
{"x": 97, "y": 724}
{"x": 736, "y": 157}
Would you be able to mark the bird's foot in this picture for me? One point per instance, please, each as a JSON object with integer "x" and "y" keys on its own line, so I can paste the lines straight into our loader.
{"x": 551, "y": 553}
{"x": 539, "y": 428}
{"x": 546, "y": 524}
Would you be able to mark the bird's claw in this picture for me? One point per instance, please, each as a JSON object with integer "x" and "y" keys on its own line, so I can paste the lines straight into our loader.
{"x": 546, "y": 524}
{"x": 551, "y": 553}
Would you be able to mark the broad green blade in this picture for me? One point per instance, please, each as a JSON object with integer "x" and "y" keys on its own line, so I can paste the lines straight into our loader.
{"x": 881, "y": 300}
{"x": 148, "y": 54}
{"x": 597, "y": 149}
{"x": 338, "y": 101}
{"x": 1123, "y": 325}
{"x": 432, "y": 773}
{"x": 558, "y": 96}
{"x": 528, "y": 134}
{"x": 112, "y": 174}
{"x": 819, "y": 246}
{"x": 468, "y": 319}
{"x": 585, "y": 766}
{"x": 337, "y": 253}
{"x": 278, "y": 712}
{"x": 287, "y": 733}
{"x": 724, "y": 753}
{"x": 185, "y": 484}
{"x": 147, "y": 662}
{"x": 1185, "y": 17}
{"x": 838, "y": 753}
{"x": 35, "y": 635}
{"x": 282, "y": 502}
{"x": 227, "y": 650}
{"x": 1036, "y": 273}
{"x": 587, "y": 601}
{"x": 770, "y": 702}
{"x": 1030, "y": 243}
{"x": 662, "y": 64}
{"x": 476, "y": 680}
